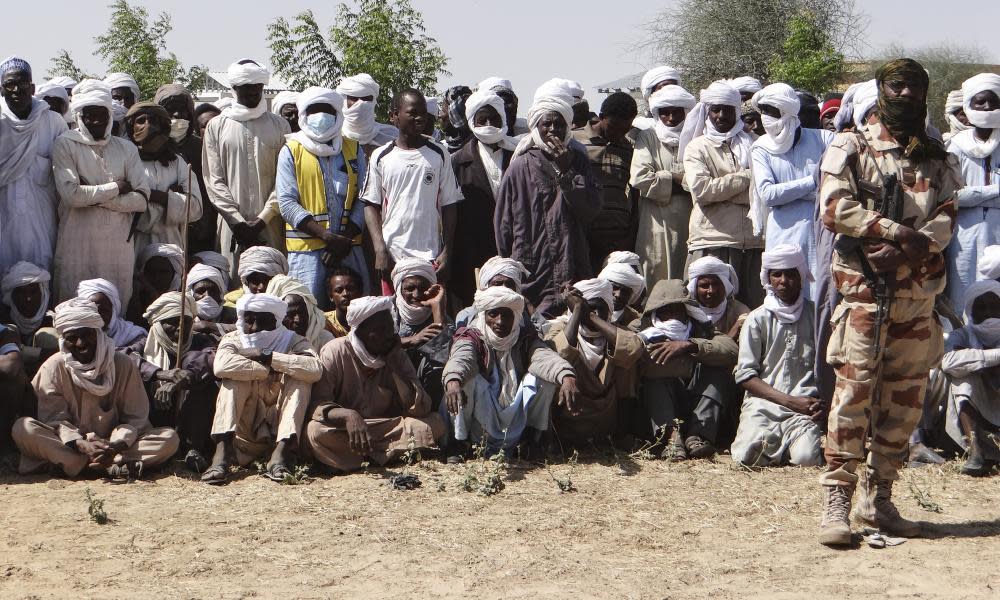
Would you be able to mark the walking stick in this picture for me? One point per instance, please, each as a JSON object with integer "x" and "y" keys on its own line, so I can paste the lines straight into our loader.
{"x": 184, "y": 278}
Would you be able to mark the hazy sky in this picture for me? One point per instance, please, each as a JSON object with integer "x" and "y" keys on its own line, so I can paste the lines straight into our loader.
{"x": 590, "y": 41}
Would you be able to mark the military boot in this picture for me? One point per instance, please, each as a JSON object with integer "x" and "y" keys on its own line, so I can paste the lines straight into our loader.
{"x": 875, "y": 507}
{"x": 835, "y": 526}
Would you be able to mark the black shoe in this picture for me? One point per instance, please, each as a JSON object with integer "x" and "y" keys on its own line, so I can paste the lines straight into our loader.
{"x": 976, "y": 466}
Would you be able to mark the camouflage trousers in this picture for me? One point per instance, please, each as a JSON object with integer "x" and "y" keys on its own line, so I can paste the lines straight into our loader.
{"x": 912, "y": 342}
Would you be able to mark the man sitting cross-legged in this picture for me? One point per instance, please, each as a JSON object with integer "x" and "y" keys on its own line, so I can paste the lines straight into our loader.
{"x": 369, "y": 404}
{"x": 265, "y": 374}
{"x": 93, "y": 412}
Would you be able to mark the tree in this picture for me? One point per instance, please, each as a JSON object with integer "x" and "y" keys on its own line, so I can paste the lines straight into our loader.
{"x": 808, "y": 60}
{"x": 388, "y": 41}
{"x": 301, "y": 54}
{"x": 947, "y": 66}
{"x": 135, "y": 46}
{"x": 64, "y": 65}
{"x": 715, "y": 39}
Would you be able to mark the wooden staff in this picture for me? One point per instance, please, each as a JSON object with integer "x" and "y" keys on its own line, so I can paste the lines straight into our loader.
{"x": 184, "y": 274}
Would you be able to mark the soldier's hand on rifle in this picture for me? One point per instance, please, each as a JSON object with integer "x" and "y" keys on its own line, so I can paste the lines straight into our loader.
{"x": 884, "y": 257}
{"x": 916, "y": 245}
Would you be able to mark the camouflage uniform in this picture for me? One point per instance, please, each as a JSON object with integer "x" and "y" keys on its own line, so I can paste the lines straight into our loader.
{"x": 912, "y": 340}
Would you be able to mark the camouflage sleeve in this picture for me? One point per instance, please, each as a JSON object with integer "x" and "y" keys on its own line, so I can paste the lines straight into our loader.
{"x": 940, "y": 223}
{"x": 838, "y": 193}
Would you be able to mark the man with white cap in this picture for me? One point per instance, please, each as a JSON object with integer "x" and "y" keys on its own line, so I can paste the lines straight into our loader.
{"x": 716, "y": 154}
{"x": 782, "y": 411}
{"x": 549, "y": 197}
{"x": 784, "y": 163}
{"x": 479, "y": 167}
{"x": 978, "y": 152}
{"x": 320, "y": 175}
{"x": 361, "y": 96}
{"x": 240, "y": 163}
{"x": 266, "y": 372}
{"x": 495, "y": 272}
{"x": 101, "y": 184}
{"x": 954, "y": 114}
{"x": 747, "y": 86}
{"x": 257, "y": 266}
{"x": 25, "y": 295}
{"x": 369, "y": 403}
{"x": 502, "y": 87}
{"x": 93, "y": 413}
{"x": 285, "y": 105}
{"x": 628, "y": 287}
{"x": 657, "y": 174}
{"x": 124, "y": 89}
{"x": 713, "y": 284}
{"x": 28, "y": 198}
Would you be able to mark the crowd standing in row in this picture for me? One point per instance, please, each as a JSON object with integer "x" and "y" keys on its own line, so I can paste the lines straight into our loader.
{"x": 745, "y": 271}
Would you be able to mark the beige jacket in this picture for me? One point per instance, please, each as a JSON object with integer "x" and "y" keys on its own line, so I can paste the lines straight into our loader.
{"x": 720, "y": 189}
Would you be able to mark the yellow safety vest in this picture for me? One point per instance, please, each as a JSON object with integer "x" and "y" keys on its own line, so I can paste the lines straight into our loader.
{"x": 312, "y": 194}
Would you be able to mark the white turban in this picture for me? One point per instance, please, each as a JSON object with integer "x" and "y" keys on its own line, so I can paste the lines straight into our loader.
{"x": 216, "y": 261}
{"x": 697, "y": 123}
{"x": 508, "y": 267}
{"x": 482, "y": 98}
{"x": 202, "y": 272}
{"x": 67, "y": 83}
{"x": 780, "y": 131}
{"x": 854, "y": 106}
{"x": 159, "y": 347}
{"x": 318, "y": 95}
{"x": 746, "y": 84}
{"x": 412, "y": 267}
{"x": 671, "y": 96}
{"x": 90, "y": 92}
{"x": 224, "y": 103}
{"x": 248, "y": 73}
{"x": 568, "y": 90}
{"x": 168, "y": 306}
{"x": 492, "y": 299}
{"x": 540, "y": 108}
{"x": 656, "y": 76}
{"x": 262, "y": 303}
{"x": 986, "y": 333}
{"x": 983, "y": 82}
{"x": 953, "y": 102}
{"x": 283, "y": 98}
{"x": 119, "y": 80}
{"x": 492, "y": 84}
{"x": 989, "y": 263}
{"x": 277, "y": 339}
{"x": 360, "y": 309}
{"x": 22, "y": 274}
{"x": 122, "y": 332}
{"x": 98, "y": 376}
{"x": 359, "y": 86}
{"x": 52, "y": 90}
{"x": 171, "y": 252}
{"x": 710, "y": 265}
{"x": 624, "y": 275}
{"x": 597, "y": 289}
{"x": 281, "y": 286}
{"x": 626, "y": 258}
{"x": 328, "y": 142}
{"x": 781, "y": 257}
{"x": 264, "y": 260}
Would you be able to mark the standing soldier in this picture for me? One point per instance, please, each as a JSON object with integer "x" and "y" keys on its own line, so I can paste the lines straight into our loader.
{"x": 889, "y": 193}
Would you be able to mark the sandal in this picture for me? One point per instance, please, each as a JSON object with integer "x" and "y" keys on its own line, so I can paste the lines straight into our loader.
{"x": 699, "y": 448}
{"x": 215, "y": 475}
{"x": 195, "y": 461}
{"x": 277, "y": 472}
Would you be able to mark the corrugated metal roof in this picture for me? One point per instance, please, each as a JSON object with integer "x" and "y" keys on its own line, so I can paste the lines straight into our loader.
{"x": 629, "y": 83}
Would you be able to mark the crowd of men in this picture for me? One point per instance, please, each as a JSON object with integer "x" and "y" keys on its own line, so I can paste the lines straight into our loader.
{"x": 745, "y": 271}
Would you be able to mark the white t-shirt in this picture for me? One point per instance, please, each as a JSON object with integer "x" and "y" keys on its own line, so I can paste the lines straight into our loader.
{"x": 411, "y": 186}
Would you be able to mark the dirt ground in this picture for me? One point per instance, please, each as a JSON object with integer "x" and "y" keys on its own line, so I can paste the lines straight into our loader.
{"x": 632, "y": 529}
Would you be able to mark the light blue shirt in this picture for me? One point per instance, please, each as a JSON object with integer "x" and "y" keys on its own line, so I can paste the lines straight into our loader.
{"x": 786, "y": 183}
{"x": 335, "y": 178}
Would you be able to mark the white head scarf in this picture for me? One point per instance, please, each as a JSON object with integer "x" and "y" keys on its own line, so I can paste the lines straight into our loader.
{"x": 989, "y": 263}
{"x": 697, "y": 122}
{"x": 90, "y": 92}
{"x": 284, "y": 98}
{"x": 276, "y": 340}
{"x": 952, "y": 105}
{"x": 488, "y": 134}
{"x": 592, "y": 344}
{"x": 359, "y": 118}
{"x": 710, "y": 265}
{"x": 118, "y": 80}
{"x": 658, "y": 75}
{"x": 411, "y": 267}
{"x": 159, "y": 347}
{"x": 281, "y": 286}
{"x": 669, "y": 96}
{"x": 122, "y": 333}
{"x": 781, "y": 257}
{"x": 171, "y": 252}
{"x": 492, "y": 84}
{"x": 854, "y": 106}
{"x": 328, "y": 141}
{"x": 746, "y": 84}
{"x": 98, "y": 376}
{"x": 223, "y": 103}
{"x": 508, "y": 267}
{"x": 494, "y": 298}
{"x": 967, "y": 141}
{"x": 987, "y": 333}
{"x": 52, "y": 90}
{"x": 359, "y": 311}
{"x": 264, "y": 260}
{"x": 216, "y": 261}
{"x": 22, "y": 274}
{"x": 781, "y": 131}
{"x": 209, "y": 308}
{"x": 624, "y": 275}
{"x": 540, "y": 108}
{"x": 249, "y": 73}
{"x": 568, "y": 90}
{"x": 625, "y": 257}
{"x": 67, "y": 83}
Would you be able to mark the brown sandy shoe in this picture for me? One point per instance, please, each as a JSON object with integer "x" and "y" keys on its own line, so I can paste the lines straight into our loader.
{"x": 875, "y": 507}
{"x": 835, "y": 526}
{"x": 698, "y": 447}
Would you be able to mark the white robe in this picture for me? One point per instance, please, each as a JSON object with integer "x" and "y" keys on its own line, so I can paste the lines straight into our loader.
{"x": 28, "y": 203}
{"x": 240, "y": 164}
{"x": 161, "y": 225}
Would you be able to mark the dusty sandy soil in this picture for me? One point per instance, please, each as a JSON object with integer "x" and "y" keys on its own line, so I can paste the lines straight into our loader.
{"x": 632, "y": 529}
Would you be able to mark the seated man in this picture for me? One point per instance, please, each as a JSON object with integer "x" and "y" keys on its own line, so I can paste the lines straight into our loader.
{"x": 603, "y": 357}
{"x": 685, "y": 381}
{"x": 303, "y": 316}
{"x": 496, "y": 271}
{"x": 208, "y": 285}
{"x": 265, "y": 374}
{"x": 25, "y": 290}
{"x": 93, "y": 412}
{"x": 972, "y": 364}
{"x": 17, "y": 399}
{"x": 343, "y": 285}
{"x": 779, "y": 423}
{"x": 125, "y": 335}
{"x": 369, "y": 404}
{"x": 182, "y": 394}
{"x": 501, "y": 378}
{"x": 158, "y": 270}
{"x": 258, "y": 264}
{"x": 713, "y": 284}
{"x": 628, "y": 286}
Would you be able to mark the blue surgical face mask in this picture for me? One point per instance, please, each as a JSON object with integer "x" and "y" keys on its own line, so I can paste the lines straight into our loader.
{"x": 320, "y": 123}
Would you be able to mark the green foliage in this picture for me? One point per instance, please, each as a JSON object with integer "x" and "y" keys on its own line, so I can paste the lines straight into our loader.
{"x": 63, "y": 65}
{"x": 95, "y": 508}
{"x": 388, "y": 41}
{"x": 808, "y": 60}
{"x": 135, "y": 46}
{"x": 301, "y": 54}
{"x": 194, "y": 78}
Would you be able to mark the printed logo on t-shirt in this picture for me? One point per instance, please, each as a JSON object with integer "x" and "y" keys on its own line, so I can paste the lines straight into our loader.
{"x": 428, "y": 177}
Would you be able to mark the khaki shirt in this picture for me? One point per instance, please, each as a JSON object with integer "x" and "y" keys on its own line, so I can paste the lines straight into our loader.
{"x": 720, "y": 189}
